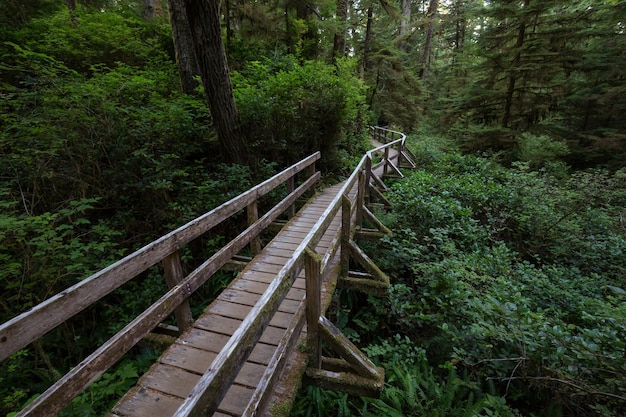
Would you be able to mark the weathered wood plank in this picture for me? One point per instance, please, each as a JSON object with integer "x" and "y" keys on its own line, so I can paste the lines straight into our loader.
{"x": 232, "y": 404}
{"x": 148, "y": 403}
{"x": 170, "y": 379}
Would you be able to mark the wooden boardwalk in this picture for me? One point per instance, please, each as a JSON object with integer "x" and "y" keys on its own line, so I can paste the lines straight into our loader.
{"x": 162, "y": 390}
{"x": 232, "y": 360}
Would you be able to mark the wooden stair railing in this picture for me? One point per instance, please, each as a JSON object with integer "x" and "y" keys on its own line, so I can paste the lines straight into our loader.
{"x": 24, "y": 329}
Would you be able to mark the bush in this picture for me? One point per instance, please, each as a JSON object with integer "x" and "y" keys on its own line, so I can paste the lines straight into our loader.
{"x": 515, "y": 277}
{"x": 292, "y": 110}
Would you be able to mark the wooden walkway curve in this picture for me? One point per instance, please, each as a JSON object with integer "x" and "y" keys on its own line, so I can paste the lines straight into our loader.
{"x": 230, "y": 360}
{"x": 162, "y": 390}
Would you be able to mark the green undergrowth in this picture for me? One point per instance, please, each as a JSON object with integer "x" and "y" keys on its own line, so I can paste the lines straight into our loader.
{"x": 508, "y": 294}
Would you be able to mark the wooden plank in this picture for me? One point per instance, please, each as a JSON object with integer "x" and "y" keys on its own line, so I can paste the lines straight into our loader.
{"x": 170, "y": 379}
{"x": 243, "y": 284}
{"x": 265, "y": 267}
{"x": 278, "y": 252}
{"x": 228, "y": 310}
{"x": 211, "y": 388}
{"x": 239, "y": 297}
{"x": 148, "y": 403}
{"x": 232, "y": 403}
{"x": 276, "y": 365}
{"x": 267, "y": 277}
{"x": 187, "y": 357}
{"x": 217, "y": 324}
{"x": 205, "y": 340}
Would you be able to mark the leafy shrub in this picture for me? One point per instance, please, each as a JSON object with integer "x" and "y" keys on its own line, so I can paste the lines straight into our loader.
{"x": 539, "y": 149}
{"x": 514, "y": 276}
{"x": 292, "y": 110}
{"x": 97, "y": 39}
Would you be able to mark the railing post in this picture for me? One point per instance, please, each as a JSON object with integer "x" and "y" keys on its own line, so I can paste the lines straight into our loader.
{"x": 360, "y": 198}
{"x": 173, "y": 276}
{"x": 386, "y": 162}
{"x": 253, "y": 216}
{"x": 346, "y": 220}
{"x": 368, "y": 178}
{"x": 291, "y": 185}
{"x": 400, "y": 150}
{"x": 312, "y": 264}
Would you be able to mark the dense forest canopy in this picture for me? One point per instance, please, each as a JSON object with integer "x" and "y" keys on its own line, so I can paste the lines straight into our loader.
{"x": 508, "y": 258}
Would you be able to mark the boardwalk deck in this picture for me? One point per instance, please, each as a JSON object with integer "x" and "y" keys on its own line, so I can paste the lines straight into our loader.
{"x": 170, "y": 380}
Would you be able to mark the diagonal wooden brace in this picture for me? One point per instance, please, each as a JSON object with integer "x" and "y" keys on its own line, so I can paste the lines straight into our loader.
{"x": 395, "y": 171}
{"x": 372, "y": 281}
{"x": 353, "y": 373}
{"x": 380, "y": 231}
{"x": 405, "y": 160}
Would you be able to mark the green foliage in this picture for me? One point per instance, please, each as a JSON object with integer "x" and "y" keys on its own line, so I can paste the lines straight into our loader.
{"x": 292, "y": 110}
{"x": 514, "y": 276}
{"x": 97, "y": 39}
{"x": 537, "y": 150}
{"x": 507, "y": 294}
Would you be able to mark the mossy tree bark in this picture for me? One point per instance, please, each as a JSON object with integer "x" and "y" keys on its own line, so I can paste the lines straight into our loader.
{"x": 204, "y": 21}
{"x": 183, "y": 46}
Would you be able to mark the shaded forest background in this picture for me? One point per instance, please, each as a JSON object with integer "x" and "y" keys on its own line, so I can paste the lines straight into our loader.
{"x": 508, "y": 259}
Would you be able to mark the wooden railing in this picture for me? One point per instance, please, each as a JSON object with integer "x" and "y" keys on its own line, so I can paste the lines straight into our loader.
{"x": 31, "y": 325}
{"x": 212, "y": 386}
{"x": 368, "y": 379}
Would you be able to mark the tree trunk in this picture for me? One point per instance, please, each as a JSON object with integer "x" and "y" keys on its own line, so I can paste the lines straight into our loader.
{"x": 339, "y": 44}
{"x": 71, "y": 6}
{"x": 368, "y": 38}
{"x": 406, "y": 17}
{"x": 183, "y": 46}
{"x": 431, "y": 15}
{"x": 204, "y": 21}
{"x": 152, "y": 9}
{"x": 229, "y": 29}
{"x": 459, "y": 37}
{"x": 508, "y": 102}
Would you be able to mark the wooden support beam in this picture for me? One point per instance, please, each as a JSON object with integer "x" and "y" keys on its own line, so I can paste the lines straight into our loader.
{"x": 345, "y": 382}
{"x": 368, "y": 174}
{"x": 378, "y": 181}
{"x": 253, "y": 216}
{"x": 366, "y": 285}
{"x": 346, "y": 220}
{"x": 174, "y": 276}
{"x": 291, "y": 185}
{"x": 387, "y": 162}
{"x": 396, "y": 172}
{"x": 406, "y": 162}
{"x": 312, "y": 263}
{"x": 377, "y": 223}
{"x": 381, "y": 197}
{"x": 369, "y": 265}
{"x": 360, "y": 197}
{"x": 342, "y": 346}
